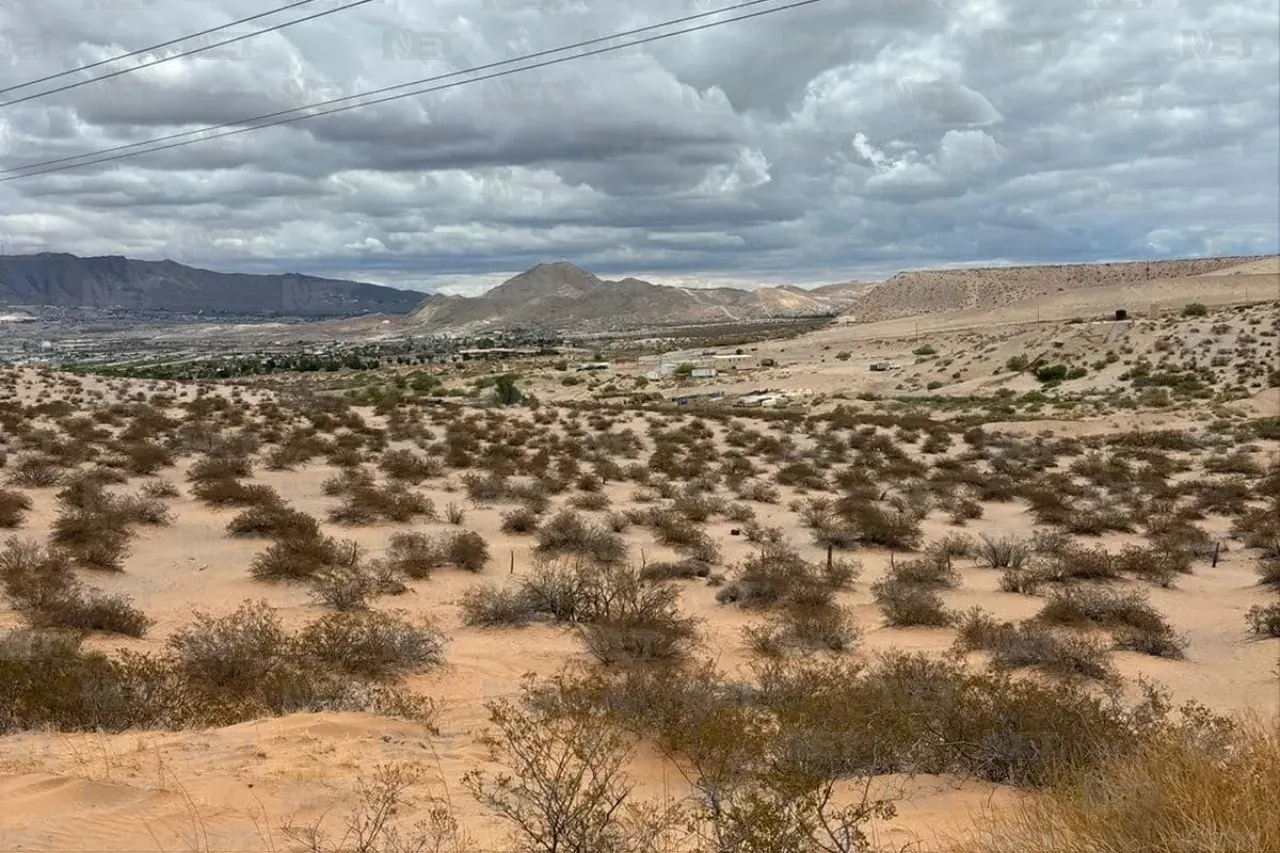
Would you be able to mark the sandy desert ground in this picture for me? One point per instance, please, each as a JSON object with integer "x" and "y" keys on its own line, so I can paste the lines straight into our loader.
{"x": 1139, "y": 490}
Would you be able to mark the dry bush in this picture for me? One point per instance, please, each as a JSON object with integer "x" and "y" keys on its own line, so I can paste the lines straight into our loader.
{"x": 520, "y": 520}
{"x": 33, "y": 471}
{"x": 626, "y": 618}
{"x": 906, "y": 605}
{"x": 274, "y": 521}
{"x": 220, "y": 468}
{"x": 818, "y": 625}
{"x": 159, "y": 489}
{"x": 1264, "y": 620}
{"x": 466, "y": 550}
{"x": 1076, "y": 563}
{"x": 932, "y": 571}
{"x": 631, "y": 620}
{"x": 1158, "y": 564}
{"x": 1030, "y": 644}
{"x": 227, "y": 492}
{"x": 454, "y": 513}
{"x": 345, "y": 587}
{"x": 96, "y": 540}
{"x": 301, "y": 557}
{"x": 370, "y": 826}
{"x": 1171, "y": 793}
{"x": 39, "y": 584}
{"x": 590, "y": 501}
{"x": 370, "y": 504}
{"x": 677, "y": 570}
{"x": 1003, "y": 552}
{"x": 881, "y": 525}
{"x": 14, "y": 507}
{"x": 488, "y": 606}
{"x": 414, "y": 554}
{"x": 372, "y": 644}
{"x": 1269, "y": 572}
{"x": 408, "y": 467}
{"x": 1137, "y": 625}
{"x": 568, "y": 534}
{"x": 778, "y": 574}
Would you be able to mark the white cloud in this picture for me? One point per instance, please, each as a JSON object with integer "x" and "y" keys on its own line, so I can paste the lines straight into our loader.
{"x": 834, "y": 141}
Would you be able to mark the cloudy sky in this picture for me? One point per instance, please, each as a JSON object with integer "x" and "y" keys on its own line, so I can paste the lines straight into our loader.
{"x": 840, "y": 140}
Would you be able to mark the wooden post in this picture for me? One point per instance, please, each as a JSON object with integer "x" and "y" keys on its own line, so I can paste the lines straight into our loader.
{"x": 513, "y": 563}
{"x": 1217, "y": 547}
{"x": 829, "y": 547}
{"x": 891, "y": 559}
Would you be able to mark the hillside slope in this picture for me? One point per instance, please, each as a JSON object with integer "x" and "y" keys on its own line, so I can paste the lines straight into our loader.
{"x": 561, "y": 295}
{"x": 115, "y": 282}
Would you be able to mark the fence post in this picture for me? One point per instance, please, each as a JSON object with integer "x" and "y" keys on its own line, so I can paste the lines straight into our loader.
{"x": 513, "y": 563}
{"x": 1217, "y": 547}
{"x": 829, "y": 547}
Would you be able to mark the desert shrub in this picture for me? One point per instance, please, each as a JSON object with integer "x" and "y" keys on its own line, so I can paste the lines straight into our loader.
{"x": 1194, "y": 309}
{"x": 590, "y": 501}
{"x": 490, "y": 606}
{"x": 906, "y": 605}
{"x": 14, "y": 507}
{"x": 820, "y": 625}
{"x": 631, "y": 620}
{"x": 96, "y": 540}
{"x": 414, "y": 554}
{"x": 1031, "y": 644}
{"x": 1023, "y": 581}
{"x": 146, "y": 457}
{"x": 371, "y": 644}
{"x": 301, "y": 557}
{"x": 33, "y": 471}
{"x": 1158, "y": 565}
{"x": 345, "y": 587}
{"x": 1171, "y": 792}
{"x": 567, "y": 533}
{"x": 1075, "y": 563}
{"x": 618, "y": 522}
{"x": 519, "y": 520}
{"x": 408, "y": 467}
{"x": 880, "y": 525}
{"x": 220, "y": 468}
{"x": 1264, "y": 619}
{"x": 227, "y": 492}
{"x": 159, "y": 488}
{"x": 274, "y": 521}
{"x": 677, "y": 570}
{"x": 234, "y": 653}
{"x": 370, "y": 504}
{"x": 1137, "y": 625}
{"x": 778, "y": 574}
{"x": 467, "y": 550}
{"x": 1003, "y": 552}
{"x": 40, "y": 585}
{"x": 485, "y": 488}
{"x": 930, "y": 572}
{"x": 1269, "y": 572}
{"x": 454, "y": 513}
{"x": 758, "y": 491}
{"x": 87, "y": 609}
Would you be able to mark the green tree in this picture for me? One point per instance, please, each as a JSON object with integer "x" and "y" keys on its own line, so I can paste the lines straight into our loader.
{"x": 505, "y": 390}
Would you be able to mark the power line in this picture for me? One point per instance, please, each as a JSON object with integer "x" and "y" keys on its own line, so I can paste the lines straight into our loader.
{"x": 289, "y": 118}
{"x": 153, "y": 47}
{"x": 165, "y": 59}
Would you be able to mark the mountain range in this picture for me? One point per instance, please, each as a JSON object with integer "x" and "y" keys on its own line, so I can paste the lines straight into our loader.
{"x": 115, "y": 282}
{"x": 549, "y": 296}
{"x": 562, "y": 296}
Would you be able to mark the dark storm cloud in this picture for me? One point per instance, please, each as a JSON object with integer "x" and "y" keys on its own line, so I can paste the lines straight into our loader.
{"x": 845, "y": 138}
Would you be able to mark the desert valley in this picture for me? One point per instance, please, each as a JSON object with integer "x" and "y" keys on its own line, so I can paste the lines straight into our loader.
{"x": 965, "y": 561}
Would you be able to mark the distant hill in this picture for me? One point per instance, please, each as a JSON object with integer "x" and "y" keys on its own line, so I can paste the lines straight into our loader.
{"x": 563, "y": 296}
{"x": 920, "y": 292}
{"x": 115, "y": 282}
